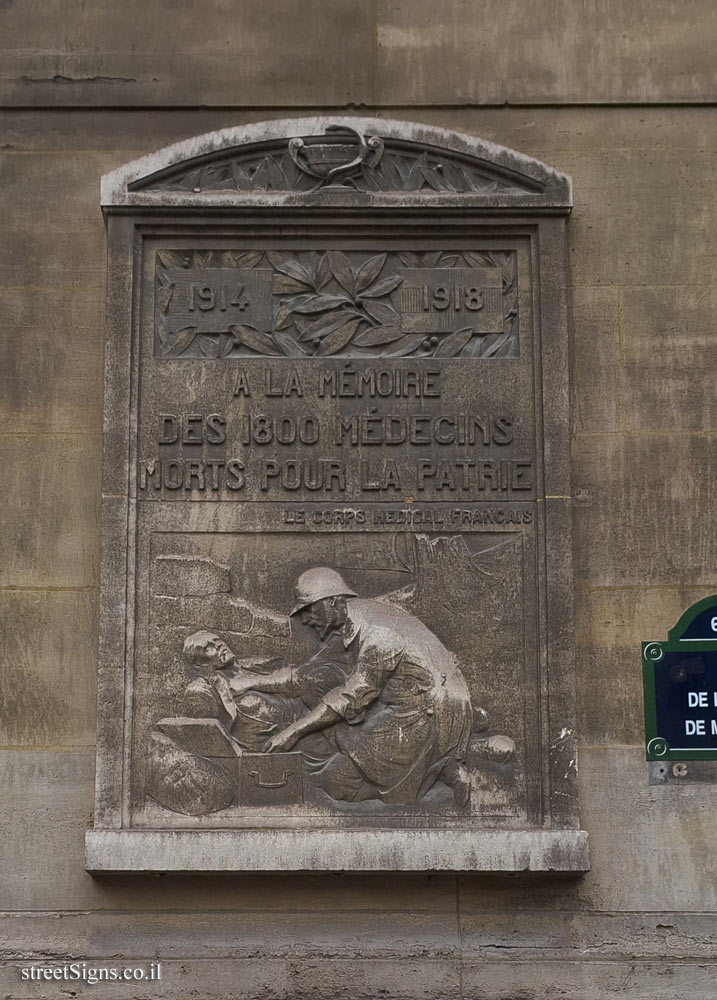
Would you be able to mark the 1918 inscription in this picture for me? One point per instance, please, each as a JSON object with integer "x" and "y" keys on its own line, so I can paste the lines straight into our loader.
{"x": 434, "y": 300}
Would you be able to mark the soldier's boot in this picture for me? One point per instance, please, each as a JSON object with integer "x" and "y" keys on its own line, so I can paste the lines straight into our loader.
{"x": 456, "y": 776}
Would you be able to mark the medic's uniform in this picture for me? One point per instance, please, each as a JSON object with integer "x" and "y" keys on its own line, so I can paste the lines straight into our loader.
{"x": 405, "y": 703}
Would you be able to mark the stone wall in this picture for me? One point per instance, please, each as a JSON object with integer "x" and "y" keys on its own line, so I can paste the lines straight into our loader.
{"x": 619, "y": 95}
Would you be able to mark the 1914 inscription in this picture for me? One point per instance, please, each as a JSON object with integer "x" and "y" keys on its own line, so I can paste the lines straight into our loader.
{"x": 211, "y": 300}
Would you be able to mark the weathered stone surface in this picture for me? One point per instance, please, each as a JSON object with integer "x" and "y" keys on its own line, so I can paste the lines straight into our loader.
{"x": 620, "y": 217}
{"x": 590, "y": 980}
{"x": 229, "y": 980}
{"x": 395, "y": 53}
{"x": 50, "y": 544}
{"x": 51, "y": 378}
{"x": 51, "y": 796}
{"x": 313, "y": 56}
{"x": 419, "y": 979}
{"x": 46, "y": 175}
{"x": 597, "y": 390}
{"x": 670, "y": 358}
{"x": 547, "y": 133}
{"x": 520, "y": 53}
{"x": 51, "y": 262}
{"x": 204, "y": 935}
{"x": 369, "y": 850}
{"x": 48, "y": 692}
{"x": 660, "y": 834}
{"x": 489, "y": 932}
{"x": 637, "y": 494}
{"x": 53, "y": 238}
{"x": 301, "y": 977}
{"x": 605, "y": 936}
{"x": 498, "y": 957}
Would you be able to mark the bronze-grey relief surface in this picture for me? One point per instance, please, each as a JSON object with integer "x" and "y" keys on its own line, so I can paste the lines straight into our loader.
{"x": 355, "y": 304}
{"x": 345, "y": 374}
{"x": 332, "y": 414}
{"x": 337, "y": 690}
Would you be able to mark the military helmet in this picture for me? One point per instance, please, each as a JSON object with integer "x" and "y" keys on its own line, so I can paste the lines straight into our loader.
{"x": 318, "y": 583}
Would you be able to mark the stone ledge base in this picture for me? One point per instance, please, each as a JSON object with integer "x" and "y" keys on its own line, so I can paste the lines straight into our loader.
{"x": 336, "y": 850}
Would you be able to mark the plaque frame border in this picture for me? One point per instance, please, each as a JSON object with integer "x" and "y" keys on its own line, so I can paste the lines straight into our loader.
{"x": 132, "y": 213}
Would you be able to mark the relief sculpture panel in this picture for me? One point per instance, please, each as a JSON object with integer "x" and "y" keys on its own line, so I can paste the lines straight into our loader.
{"x": 347, "y": 701}
{"x": 337, "y": 585}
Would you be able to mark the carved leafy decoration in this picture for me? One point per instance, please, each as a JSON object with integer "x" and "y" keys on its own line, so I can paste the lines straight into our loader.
{"x": 341, "y": 158}
{"x": 396, "y": 172}
{"x": 330, "y": 304}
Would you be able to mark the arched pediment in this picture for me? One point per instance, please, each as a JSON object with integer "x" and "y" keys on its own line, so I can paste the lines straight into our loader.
{"x": 347, "y": 161}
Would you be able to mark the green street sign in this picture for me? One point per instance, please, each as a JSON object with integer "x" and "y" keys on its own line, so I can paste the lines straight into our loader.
{"x": 680, "y": 687}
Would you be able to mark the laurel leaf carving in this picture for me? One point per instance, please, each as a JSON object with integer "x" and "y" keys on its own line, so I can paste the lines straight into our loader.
{"x": 286, "y": 265}
{"x": 255, "y": 340}
{"x": 290, "y": 347}
{"x": 406, "y": 345}
{"x": 168, "y": 259}
{"x": 208, "y": 347}
{"x": 337, "y": 340}
{"x": 382, "y": 313}
{"x": 382, "y": 287}
{"x": 454, "y": 343}
{"x": 320, "y": 303}
{"x": 342, "y": 270}
{"x": 283, "y": 285}
{"x": 248, "y": 259}
{"x": 377, "y": 335}
{"x": 164, "y": 296}
{"x": 369, "y": 271}
{"x": 176, "y": 344}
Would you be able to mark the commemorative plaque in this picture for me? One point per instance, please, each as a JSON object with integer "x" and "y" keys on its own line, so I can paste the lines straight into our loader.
{"x": 337, "y": 590}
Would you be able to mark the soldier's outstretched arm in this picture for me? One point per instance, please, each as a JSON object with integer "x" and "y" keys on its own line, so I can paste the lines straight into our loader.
{"x": 280, "y": 681}
{"x": 319, "y": 718}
